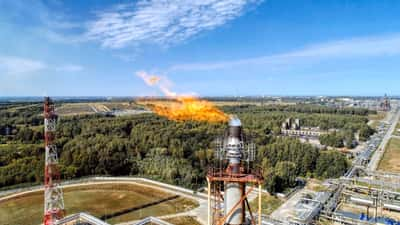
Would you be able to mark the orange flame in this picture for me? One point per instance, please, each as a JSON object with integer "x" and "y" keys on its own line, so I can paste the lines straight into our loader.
{"x": 184, "y": 107}
{"x": 153, "y": 80}
{"x": 190, "y": 108}
{"x": 148, "y": 78}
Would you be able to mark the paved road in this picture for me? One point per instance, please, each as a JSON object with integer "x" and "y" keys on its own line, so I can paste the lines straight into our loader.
{"x": 375, "y": 159}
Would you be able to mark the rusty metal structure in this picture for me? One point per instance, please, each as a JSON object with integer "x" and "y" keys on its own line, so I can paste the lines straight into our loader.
{"x": 53, "y": 196}
{"x": 229, "y": 180}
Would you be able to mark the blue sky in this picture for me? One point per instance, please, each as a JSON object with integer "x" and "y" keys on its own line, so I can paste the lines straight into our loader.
{"x": 205, "y": 47}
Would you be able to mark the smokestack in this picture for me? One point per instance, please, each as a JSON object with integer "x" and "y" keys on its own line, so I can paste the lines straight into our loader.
{"x": 230, "y": 176}
{"x": 235, "y": 128}
{"x": 234, "y": 190}
{"x": 234, "y": 143}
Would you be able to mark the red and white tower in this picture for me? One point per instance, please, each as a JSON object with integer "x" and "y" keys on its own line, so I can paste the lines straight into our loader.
{"x": 53, "y": 196}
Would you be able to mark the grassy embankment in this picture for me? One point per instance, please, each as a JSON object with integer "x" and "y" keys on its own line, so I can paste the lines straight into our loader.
{"x": 183, "y": 220}
{"x": 105, "y": 201}
{"x": 391, "y": 157}
{"x": 268, "y": 204}
{"x": 397, "y": 130}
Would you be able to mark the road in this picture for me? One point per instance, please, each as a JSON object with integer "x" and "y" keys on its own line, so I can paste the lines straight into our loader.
{"x": 376, "y": 157}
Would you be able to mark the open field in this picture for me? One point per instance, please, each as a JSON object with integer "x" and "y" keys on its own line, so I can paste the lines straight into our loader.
{"x": 20, "y": 107}
{"x": 120, "y": 105}
{"x": 268, "y": 204}
{"x": 374, "y": 123}
{"x": 315, "y": 185}
{"x": 379, "y": 116}
{"x": 397, "y": 130}
{"x": 113, "y": 202}
{"x": 375, "y": 119}
{"x": 183, "y": 220}
{"x": 70, "y": 109}
{"x": 390, "y": 159}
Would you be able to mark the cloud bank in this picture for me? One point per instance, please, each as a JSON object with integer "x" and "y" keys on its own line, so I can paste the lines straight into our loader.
{"x": 386, "y": 45}
{"x": 162, "y": 22}
{"x": 11, "y": 65}
{"x": 21, "y": 66}
{"x": 69, "y": 68}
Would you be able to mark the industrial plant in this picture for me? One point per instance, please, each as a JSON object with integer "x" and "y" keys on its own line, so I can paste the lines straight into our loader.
{"x": 234, "y": 191}
{"x": 361, "y": 196}
{"x": 231, "y": 179}
{"x": 199, "y": 112}
{"x": 385, "y": 104}
{"x": 293, "y": 127}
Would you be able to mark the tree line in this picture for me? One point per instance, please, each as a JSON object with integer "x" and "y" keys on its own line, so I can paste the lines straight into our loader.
{"x": 173, "y": 152}
{"x": 301, "y": 108}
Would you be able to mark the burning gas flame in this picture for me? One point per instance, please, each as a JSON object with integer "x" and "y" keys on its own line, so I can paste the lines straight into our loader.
{"x": 148, "y": 78}
{"x": 190, "y": 108}
{"x": 184, "y": 107}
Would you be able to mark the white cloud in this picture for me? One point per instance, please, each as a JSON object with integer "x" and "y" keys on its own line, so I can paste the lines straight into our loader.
{"x": 46, "y": 19}
{"x": 11, "y": 65}
{"x": 20, "y": 67}
{"x": 126, "y": 57}
{"x": 345, "y": 49}
{"x": 69, "y": 68}
{"x": 162, "y": 22}
{"x": 58, "y": 37}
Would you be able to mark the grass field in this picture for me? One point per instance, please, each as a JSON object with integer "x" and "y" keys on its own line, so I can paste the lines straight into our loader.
{"x": 100, "y": 200}
{"x": 183, "y": 220}
{"x": 121, "y": 105}
{"x": 374, "y": 124}
{"x": 397, "y": 130}
{"x": 315, "y": 185}
{"x": 14, "y": 109}
{"x": 268, "y": 204}
{"x": 379, "y": 116}
{"x": 391, "y": 157}
{"x": 375, "y": 119}
{"x": 70, "y": 109}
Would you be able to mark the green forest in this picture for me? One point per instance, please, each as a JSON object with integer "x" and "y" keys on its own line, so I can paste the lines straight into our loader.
{"x": 174, "y": 152}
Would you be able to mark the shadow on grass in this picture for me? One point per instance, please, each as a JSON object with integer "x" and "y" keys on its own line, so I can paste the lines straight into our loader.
{"x": 125, "y": 211}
